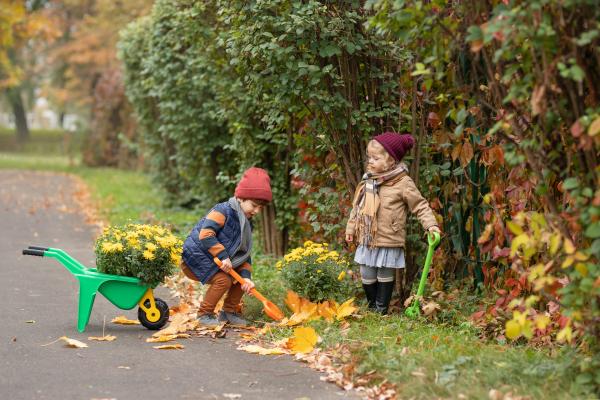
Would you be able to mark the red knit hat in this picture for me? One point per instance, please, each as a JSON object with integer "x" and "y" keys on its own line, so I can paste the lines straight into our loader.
{"x": 255, "y": 185}
{"x": 396, "y": 144}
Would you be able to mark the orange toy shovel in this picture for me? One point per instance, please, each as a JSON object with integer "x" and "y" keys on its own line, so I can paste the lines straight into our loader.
{"x": 268, "y": 307}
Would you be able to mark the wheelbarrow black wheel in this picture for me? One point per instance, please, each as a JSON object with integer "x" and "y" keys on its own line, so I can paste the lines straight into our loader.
{"x": 163, "y": 309}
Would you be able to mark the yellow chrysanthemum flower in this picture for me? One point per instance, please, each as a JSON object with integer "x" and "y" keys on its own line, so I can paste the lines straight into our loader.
{"x": 151, "y": 247}
{"x": 148, "y": 255}
{"x": 341, "y": 276}
{"x": 176, "y": 258}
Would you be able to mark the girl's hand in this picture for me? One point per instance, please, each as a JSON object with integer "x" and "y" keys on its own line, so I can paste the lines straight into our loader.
{"x": 248, "y": 286}
{"x": 349, "y": 238}
{"x": 434, "y": 229}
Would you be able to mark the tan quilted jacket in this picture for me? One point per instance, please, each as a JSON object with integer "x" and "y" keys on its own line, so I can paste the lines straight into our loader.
{"x": 396, "y": 197}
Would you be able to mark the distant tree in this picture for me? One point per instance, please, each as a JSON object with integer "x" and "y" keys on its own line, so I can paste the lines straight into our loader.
{"x": 84, "y": 74}
{"x": 23, "y": 25}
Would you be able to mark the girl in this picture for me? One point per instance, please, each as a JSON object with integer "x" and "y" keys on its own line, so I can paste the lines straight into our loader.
{"x": 378, "y": 218}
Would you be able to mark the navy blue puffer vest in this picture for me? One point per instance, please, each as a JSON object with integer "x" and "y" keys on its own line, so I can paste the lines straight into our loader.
{"x": 198, "y": 259}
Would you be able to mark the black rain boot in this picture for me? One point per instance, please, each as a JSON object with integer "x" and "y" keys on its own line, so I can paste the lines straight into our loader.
{"x": 384, "y": 295}
{"x": 371, "y": 293}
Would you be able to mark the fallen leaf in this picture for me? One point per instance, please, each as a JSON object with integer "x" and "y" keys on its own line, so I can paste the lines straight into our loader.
{"x": 323, "y": 361}
{"x": 303, "y": 341}
{"x": 167, "y": 338}
{"x": 430, "y": 308}
{"x": 179, "y": 324}
{"x": 181, "y": 308}
{"x": 73, "y": 342}
{"x": 248, "y": 336}
{"x": 175, "y": 346}
{"x": 326, "y": 311}
{"x": 345, "y": 309}
{"x": 293, "y": 301}
{"x": 232, "y": 395}
{"x": 494, "y": 394}
{"x": 294, "y": 320}
{"x": 219, "y": 332}
{"x": 123, "y": 367}
{"x": 123, "y": 320}
{"x": 256, "y": 349}
{"x": 31, "y": 321}
{"x": 105, "y": 338}
{"x": 418, "y": 373}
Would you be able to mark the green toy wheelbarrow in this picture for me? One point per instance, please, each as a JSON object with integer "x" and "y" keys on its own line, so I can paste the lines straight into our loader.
{"x": 433, "y": 240}
{"x": 123, "y": 291}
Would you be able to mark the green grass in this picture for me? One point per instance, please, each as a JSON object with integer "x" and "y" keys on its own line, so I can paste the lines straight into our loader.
{"x": 56, "y": 142}
{"x": 268, "y": 282}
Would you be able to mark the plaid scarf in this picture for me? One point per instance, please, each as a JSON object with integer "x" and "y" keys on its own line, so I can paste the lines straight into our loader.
{"x": 366, "y": 201}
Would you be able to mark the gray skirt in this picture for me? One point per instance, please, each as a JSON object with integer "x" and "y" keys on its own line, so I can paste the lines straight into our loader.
{"x": 389, "y": 257}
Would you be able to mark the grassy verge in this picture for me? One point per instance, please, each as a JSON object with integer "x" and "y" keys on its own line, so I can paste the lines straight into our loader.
{"x": 432, "y": 359}
{"x": 429, "y": 360}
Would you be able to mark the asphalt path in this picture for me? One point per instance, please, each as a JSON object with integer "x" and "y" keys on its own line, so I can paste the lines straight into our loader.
{"x": 38, "y": 304}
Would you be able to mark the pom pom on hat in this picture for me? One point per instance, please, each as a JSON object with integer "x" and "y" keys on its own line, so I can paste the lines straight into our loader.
{"x": 396, "y": 144}
{"x": 255, "y": 184}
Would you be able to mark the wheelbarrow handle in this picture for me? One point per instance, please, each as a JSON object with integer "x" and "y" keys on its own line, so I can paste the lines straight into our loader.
{"x": 33, "y": 252}
{"x": 38, "y": 248}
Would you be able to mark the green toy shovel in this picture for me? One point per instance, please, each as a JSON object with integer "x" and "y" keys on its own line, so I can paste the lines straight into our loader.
{"x": 414, "y": 310}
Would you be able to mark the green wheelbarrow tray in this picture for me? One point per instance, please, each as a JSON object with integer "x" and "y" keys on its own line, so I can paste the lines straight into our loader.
{"x": 123, "y": 291}
{"x": 414, "y": 310}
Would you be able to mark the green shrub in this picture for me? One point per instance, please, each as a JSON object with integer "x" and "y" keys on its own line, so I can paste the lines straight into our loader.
{"x": 316, "y": 272}
{"x": 148, "y": 252}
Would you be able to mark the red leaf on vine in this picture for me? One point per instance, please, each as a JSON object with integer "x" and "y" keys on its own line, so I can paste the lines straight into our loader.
{"x": 576, "y": 129}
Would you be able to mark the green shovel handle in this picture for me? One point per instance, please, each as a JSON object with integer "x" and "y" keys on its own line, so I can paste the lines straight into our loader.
{"x": 433, "y": 240}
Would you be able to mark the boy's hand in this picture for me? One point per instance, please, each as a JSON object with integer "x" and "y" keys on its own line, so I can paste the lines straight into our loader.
{"x": 248, "y": 286}
{"x": 226, "y": 265}
{"x": 349, "y": 238}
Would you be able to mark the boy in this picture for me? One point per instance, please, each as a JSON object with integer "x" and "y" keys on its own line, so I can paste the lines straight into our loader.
{"x": 226, "y": 233}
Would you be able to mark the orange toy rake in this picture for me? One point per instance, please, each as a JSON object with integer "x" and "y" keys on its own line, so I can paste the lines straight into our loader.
{"x": 268, "y": 307}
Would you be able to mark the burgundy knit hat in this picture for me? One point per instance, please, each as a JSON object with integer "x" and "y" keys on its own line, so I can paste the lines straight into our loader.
{"x": 396, "y": 144}
{"x": 255, "y": 184}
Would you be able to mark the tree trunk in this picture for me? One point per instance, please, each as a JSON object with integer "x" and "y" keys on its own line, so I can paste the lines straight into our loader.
{"x": 16, "y": 103}
{"x": 274, "y": 239}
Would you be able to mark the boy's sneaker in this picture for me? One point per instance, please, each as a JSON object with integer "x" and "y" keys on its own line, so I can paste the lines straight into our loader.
{"x": 209, "y": 320}
{"x": 232, "y": 318}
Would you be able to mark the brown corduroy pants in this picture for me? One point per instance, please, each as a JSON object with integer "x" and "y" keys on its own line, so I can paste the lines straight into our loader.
{"x": 220, "y": 284}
